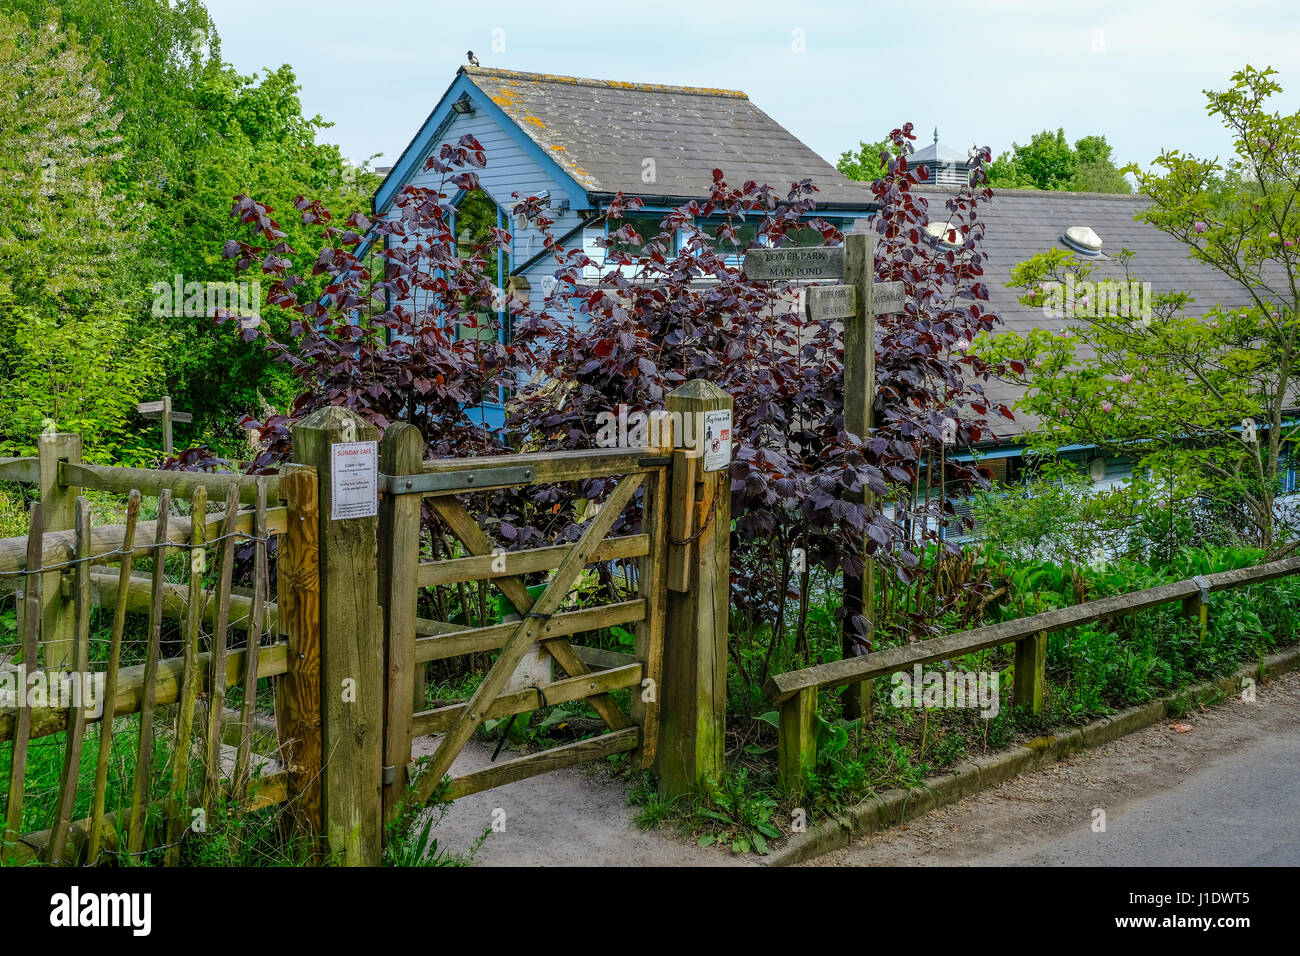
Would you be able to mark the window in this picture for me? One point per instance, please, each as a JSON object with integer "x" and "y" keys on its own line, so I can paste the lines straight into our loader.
{"x": 745, "y": 232}
{"x": 647, "y": 227}
{"x": 810, "y": 237}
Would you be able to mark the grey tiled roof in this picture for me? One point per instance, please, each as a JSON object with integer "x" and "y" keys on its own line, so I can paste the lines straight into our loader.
{"x": 601, "y": 131}
{"x": 1020, "y": 223}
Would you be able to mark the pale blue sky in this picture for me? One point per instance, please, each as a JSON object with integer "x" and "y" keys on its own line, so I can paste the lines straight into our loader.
{"x": 982, "y": 71}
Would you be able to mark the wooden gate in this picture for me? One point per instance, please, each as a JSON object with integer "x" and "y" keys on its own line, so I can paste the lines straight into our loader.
{"x": 367, "y": 653}
{"x": 412, "y": 641}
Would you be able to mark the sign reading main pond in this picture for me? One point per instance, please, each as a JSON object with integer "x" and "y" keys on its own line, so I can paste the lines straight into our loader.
{"x": 795, "y": 262}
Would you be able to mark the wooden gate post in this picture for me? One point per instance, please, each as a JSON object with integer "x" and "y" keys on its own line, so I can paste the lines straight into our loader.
{"x": 351, "y": 639}
{"x": 402, "y": 453}
{"x": 693, "y": 695}
{"x": 58, "y": 505}
{"x": 859, "y": 395}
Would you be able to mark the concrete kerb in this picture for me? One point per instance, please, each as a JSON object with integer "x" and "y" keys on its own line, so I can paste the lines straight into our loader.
{"x": 893, "y": 807}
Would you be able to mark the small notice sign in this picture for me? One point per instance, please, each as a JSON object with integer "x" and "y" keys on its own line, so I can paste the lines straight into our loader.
{"x": 889, "y": 297}
{"x": 354, "y": 474}
{"x": 830, "y": 302}
{"x": 717, "y": 440}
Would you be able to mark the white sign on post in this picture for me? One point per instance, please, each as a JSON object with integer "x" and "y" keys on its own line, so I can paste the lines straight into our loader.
{"x": 717, "y": 440}
{"x": 354, "y": 485}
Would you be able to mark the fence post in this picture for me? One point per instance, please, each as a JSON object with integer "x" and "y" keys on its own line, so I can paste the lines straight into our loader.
{"x": 1030, "y": 676}
{"x": 298, "y": 692}
{"x": 58, "y": 505}
{"x": 1195, "y": 607}
{"x": 401, "y": 453}
{"x": 693, "y": 696}
{"x": 859, "y": 396}
{"x": 351, "y": 639}
{"x": 797, "y": 746}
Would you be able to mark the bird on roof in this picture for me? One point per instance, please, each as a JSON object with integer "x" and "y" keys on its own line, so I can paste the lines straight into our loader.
{"x": 473, "y": 60}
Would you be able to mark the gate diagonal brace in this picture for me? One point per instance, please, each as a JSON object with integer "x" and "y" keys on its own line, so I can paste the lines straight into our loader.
{"x": 528, "y": 630}
{"x": 467, "y": 531}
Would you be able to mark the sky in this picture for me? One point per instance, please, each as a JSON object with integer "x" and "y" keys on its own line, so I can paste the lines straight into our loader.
{"x": 834, "y": 73}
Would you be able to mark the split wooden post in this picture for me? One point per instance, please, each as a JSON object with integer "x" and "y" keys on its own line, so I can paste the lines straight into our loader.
{"x": 401, "y": 453}
{"x": 693, "y": 692}
{"x": 797, "y": 746}
{"x": 859, "y": 395}
{"x": 351, "y": 633}
{"x": 58, "y": 505}
{"x": 298, "y": 692}
{"x": 1030, "y": 678}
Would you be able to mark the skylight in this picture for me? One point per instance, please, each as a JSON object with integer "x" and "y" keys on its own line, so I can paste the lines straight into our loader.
{"x": 939, "y": 231}
{"x": 1082, "y": 240}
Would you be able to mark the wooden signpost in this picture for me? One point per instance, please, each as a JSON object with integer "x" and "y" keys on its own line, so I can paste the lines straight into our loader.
{"x": 164, "y": 411}
{"x": 858, "y": 301}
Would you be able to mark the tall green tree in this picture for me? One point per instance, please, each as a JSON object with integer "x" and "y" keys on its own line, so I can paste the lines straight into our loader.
{"x": 1048, "y": 161}
{"x": 69, "y": 354}
{"x": 194, "y": 134}
{"x": 865, "y": 164}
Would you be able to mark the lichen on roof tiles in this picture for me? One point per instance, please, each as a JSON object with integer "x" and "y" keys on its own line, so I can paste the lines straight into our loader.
{"x": 601, "y": 131}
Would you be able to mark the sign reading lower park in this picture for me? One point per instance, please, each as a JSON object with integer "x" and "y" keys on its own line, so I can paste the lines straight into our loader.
{"x": 796, "y": 262}
{"x": 354, "y": 480}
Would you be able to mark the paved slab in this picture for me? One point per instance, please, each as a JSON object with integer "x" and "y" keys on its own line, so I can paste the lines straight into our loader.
{"x": 573, "y": 817}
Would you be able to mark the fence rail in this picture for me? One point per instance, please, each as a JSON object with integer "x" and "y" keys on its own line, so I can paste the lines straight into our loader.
{"x": 796, "y": 691}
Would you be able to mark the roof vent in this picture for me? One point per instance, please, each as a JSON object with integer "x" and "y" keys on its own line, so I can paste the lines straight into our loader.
{"x": 1082, "y": 240}
{"x": 939, "y": 231}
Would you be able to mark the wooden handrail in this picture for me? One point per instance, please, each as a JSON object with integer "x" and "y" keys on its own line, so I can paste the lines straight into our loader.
{"x": 152, "y": 481}
{"x": 783, "y": 687}
{"x": 26, "y": 470}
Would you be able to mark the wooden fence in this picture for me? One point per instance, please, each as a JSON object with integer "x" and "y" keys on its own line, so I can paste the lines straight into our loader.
{"x": 348, "y": 647}
{"x": 60, "y": 571}
{"x": 795, "y": 692}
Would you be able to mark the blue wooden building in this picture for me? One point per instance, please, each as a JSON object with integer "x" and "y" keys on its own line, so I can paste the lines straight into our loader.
{"x": 581, "y": 142}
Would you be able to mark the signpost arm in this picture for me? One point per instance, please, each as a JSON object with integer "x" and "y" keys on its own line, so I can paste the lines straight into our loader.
{"x": 859, "y": 393}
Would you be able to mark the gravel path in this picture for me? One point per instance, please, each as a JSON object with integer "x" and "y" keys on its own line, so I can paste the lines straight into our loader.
{"x": 573, "y": 817}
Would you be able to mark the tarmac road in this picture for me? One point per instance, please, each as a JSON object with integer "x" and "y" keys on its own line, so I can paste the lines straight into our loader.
{"x": 1225, "y": 793}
